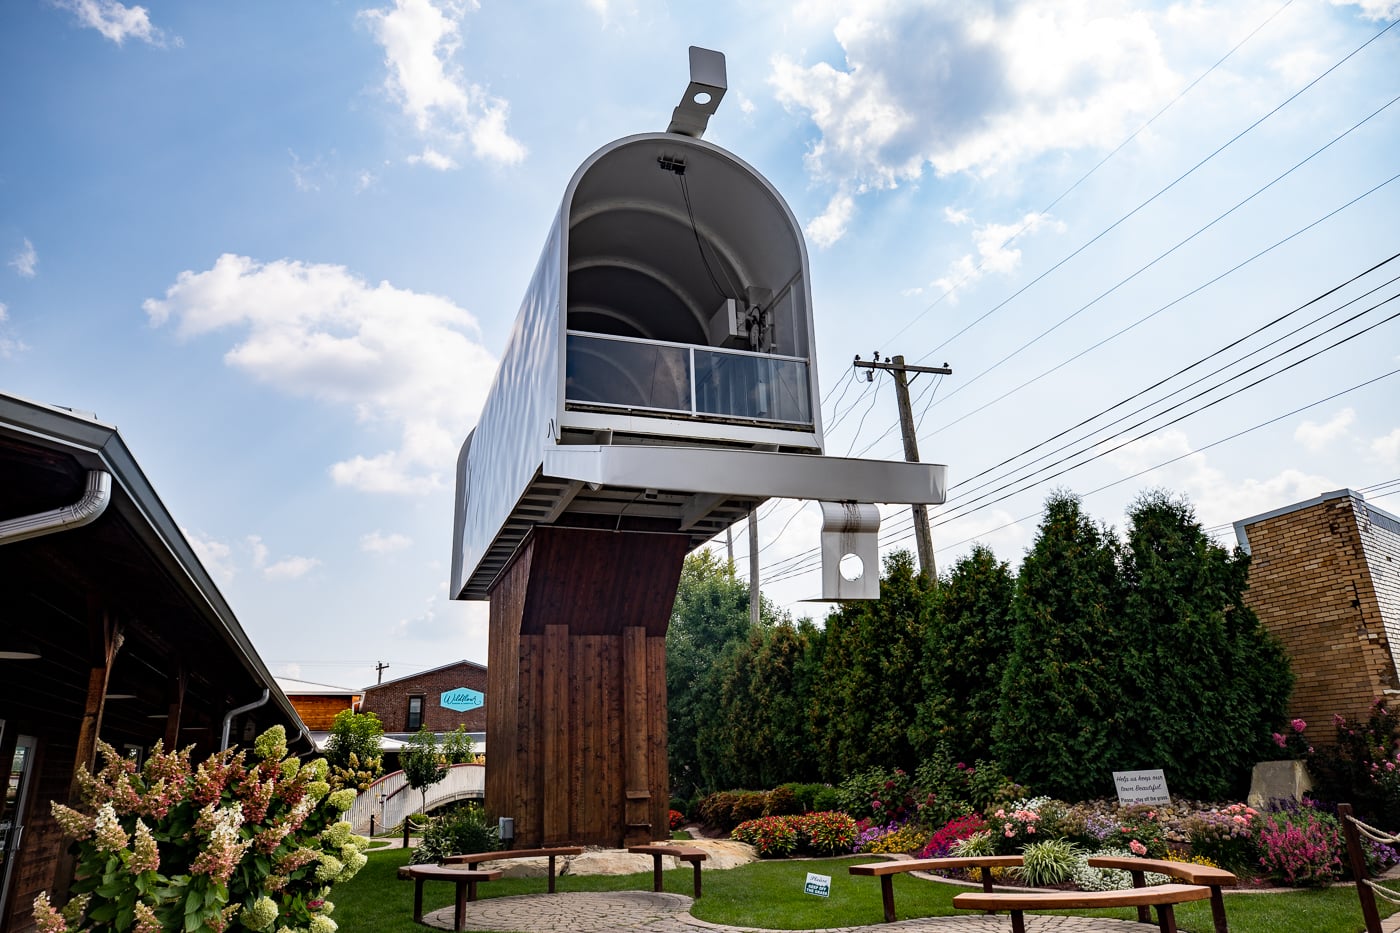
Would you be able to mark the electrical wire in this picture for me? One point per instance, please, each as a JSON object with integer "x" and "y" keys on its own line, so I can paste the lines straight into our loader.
{"x": 1098, "y": 165}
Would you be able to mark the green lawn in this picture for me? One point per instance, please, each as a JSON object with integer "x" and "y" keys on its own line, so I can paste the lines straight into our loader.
{"x": 769, "y": 895}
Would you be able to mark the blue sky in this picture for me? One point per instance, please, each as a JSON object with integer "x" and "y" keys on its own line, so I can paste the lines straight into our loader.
{"x": 281, "y": 246}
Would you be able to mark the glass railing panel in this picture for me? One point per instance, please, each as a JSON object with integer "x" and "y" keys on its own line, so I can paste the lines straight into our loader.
{"x": 627, "y": 373}
{"x": 751, "y": 386}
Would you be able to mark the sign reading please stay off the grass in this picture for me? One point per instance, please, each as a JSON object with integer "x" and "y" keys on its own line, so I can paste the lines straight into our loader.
{"x": 1141, "y": 787}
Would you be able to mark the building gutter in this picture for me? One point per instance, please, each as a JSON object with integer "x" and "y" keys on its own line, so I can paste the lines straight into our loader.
{"x": 83, "y": 512}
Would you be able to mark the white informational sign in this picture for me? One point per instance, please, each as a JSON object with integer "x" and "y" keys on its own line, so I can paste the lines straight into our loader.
{"x": 1141, "y": 787}
{"x": 820, "y": 885}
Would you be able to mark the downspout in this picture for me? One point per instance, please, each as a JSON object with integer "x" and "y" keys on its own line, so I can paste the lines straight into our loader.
{"x": 80, "y": 513}
{"x": 228, "y": 717}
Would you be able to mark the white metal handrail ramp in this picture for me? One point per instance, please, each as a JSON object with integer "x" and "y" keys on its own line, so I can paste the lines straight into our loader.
{"x": 390, "y": 799}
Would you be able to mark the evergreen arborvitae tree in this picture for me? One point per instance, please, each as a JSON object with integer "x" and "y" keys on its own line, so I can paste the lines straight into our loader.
{"x": 709, "y": 621}
{"x": 1062, "y": 723}
{"x": 964, "y": 656}
{"x": 1212, "y": 681}
{"x": 868, "y": 691}
{"x": 758, "y": 736}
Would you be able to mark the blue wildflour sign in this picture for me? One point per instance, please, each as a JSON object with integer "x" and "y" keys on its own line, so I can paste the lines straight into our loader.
{"x": 462, "y": 699}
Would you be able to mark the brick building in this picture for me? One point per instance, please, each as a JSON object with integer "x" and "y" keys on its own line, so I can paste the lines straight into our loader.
{"x": 441, "y": 699}
{"x": 318, "y": 704}
{"x": 1325, "y": 579}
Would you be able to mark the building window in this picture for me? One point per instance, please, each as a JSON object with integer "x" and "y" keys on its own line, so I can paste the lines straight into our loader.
{"x": 415, "y": 713}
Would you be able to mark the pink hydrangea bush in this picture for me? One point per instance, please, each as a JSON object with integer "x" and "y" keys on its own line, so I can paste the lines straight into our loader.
{"x": 234, "y": 844}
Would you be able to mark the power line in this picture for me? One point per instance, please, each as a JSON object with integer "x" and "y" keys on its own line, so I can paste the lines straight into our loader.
{"x": 1294, "y": 96}
{"x": 1098, "y": 165}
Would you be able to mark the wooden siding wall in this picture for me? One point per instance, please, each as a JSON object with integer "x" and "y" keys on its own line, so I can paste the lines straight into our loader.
{"x": 576, "y": 698}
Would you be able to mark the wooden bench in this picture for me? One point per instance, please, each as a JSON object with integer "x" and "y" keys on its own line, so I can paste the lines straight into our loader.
{"x": 886, "y": 871}
{"x": 684, "y": 853}
{"x": 1185, "y": 872}
{"x": 1161, "y": 896}
{"x": 473, "y": 859}
{"x": 465, "y": 879}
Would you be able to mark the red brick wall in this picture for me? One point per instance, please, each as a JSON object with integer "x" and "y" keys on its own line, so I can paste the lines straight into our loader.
{"x": 390, "y": 701}
{"x": 1310, "y": 585}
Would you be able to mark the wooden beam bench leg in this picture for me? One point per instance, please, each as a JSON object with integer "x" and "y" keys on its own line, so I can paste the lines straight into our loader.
{"x": 656, "y": 884}
{"x": 697, "y": 879}
{"x": 1217, "y": 909}
{"x": 1018, "y": 921}
{"x": 987, "y": 884}
{"x": 551, "y": 874}
{"x": 1166, "y": 918}
{"x": 887, "y": 895}
{"x": 1140, "y": 881}
{"x": 417, "y": 900}
{"x": 459, "y": 909}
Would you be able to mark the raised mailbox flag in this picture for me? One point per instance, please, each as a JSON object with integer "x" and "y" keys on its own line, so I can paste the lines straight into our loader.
{"x": 462, "y": 699}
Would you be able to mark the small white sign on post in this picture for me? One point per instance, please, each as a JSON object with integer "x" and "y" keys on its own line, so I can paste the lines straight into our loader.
{"x": 820, "y": 885}
{"x": 1141, "y": 787}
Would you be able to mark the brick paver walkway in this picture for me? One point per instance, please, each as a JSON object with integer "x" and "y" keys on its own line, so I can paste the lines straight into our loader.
{"x": 670, "y": 913}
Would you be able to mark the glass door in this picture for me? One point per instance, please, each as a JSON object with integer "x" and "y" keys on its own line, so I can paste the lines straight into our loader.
{"x": 16, "y": 775}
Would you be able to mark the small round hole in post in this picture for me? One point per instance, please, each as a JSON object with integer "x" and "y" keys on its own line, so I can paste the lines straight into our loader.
{"x": 701, "y": 97}
{"x": 852, "y": 568}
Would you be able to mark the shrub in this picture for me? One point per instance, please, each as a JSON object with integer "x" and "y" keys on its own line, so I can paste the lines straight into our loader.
{"x": 352, "y": 751}
{"x": 1362, "y": 767}
{"x": 827, "y": 832}
{"x": 978, "y": 845}
{"x": 716, "y": 810}
{"x": 1051, "y": 861}
{"x": 771, "y": 836}
{"x": 878, "y": 794}
{"x": 677, "y": 820}
{"x": 953, "y": 831}
{"x": 748, "y": 805}
{"x": 1022, "y": 822}
{"x": 466, "y": 829}
{"x": 1300, "y": 847}
{"x": 958, "y": 787}
{"x": 1109, "y": 879}
{"x": 911, "y": 837}
{"x": 1140, "y": 833}
{"x": 826, "y": 799}
{"x": 781, "y": 801}
{"x": 1227, "y": 837}
{"x": 806, "y": 796}
{"x": 234, "y": 844}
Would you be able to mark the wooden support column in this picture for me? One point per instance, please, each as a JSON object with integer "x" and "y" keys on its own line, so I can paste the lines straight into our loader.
{"x": 105, "y": 640}
{"x": 554, "y": 724}
{"x": 636, "y": 737}
{"x": 174, "y": 710}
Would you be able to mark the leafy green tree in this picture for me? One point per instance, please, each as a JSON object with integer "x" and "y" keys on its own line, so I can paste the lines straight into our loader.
{"x": 867, "y": 694}
{"x": 1063, "y": 721}
{"x": 1208, "y": 683}
{"x": 423, "y": 762}
{"x": 353, "y": 751}
{"x": 710, "y": 619}
{"x": 964, "y": 656}
{"x": 458, "y": 747}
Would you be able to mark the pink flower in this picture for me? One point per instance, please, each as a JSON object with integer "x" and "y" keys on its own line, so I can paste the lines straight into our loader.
{"x": 1138, "y": 848}
{"x": 1298, "y": 725}
{"x": 1279, "y": 740}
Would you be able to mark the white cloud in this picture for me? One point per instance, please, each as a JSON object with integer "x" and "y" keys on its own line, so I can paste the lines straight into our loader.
{"x": 9, "y": 346}
{"x": 215, "y": 555}
{"x": 26, "y": 261}
{"x": 1387, "y": 449}
{"x": 291, "y": 568}
{"x": 365, "y": 180}
{"x": 994, "y": 252}
{"x": 114, "y": 20}
{"x": 831, "y": 225}
{"x": 446, "y": 621}
{"x": 255, "y": 544}
{"x": 421, "y": 38}
{"x": 971, "y": 87}
{"x": 394, "y": 357}
{"x": 1217, "y": 498}
{"x": 377, "y": 543}
{"x": 433, "y": 159}
{"x": 1378, "y": 10}
{"x": 1315, "y": 437}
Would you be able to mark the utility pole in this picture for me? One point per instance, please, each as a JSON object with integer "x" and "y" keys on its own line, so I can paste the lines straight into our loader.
{"x": 379, "y": 669}
{"x": 753, "y": 567}
{"x": 897, "y": 366}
